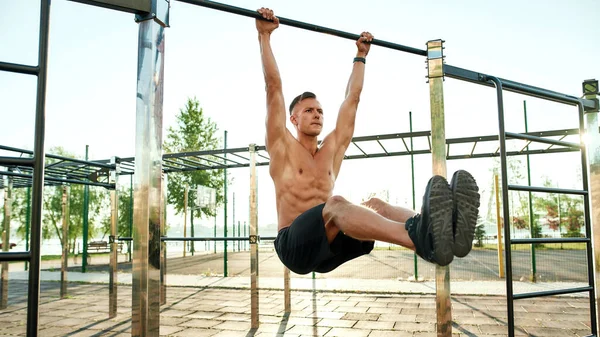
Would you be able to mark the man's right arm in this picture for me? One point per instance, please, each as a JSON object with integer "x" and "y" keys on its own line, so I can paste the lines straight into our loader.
{"x": 275, "y": 121}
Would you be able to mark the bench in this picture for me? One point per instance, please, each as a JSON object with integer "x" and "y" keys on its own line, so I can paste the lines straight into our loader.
{"x": 10, "y": 245}
{"x": 102, "y": 246}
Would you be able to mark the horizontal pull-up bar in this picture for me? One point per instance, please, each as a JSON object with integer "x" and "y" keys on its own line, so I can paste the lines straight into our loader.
{"x": 302, "y": 25}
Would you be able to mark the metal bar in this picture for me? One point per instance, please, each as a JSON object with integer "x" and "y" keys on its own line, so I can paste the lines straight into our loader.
{"x": 499, "y": 225}
{"x": 65, "y": 243}
{"x": 412, "y": 177}
{"x": 18, "y": 161}
{"x": 15, "y": 256}
{"x": 480, "y": 78}
{"x": 438, "y": 155}
{"x": 185, "y": 215}
{"x": 591, "y": 203}
{"x": 549, "y": 133}
{"x": 210, "y": 238}
{"x": 546, "y": 189}
{"x": 549, "y": 240}
{"x": 204, "y": 152}
{"x": 509, "y": 153}
{"x": 382, "y": 147}
{"x": 552, "y": 292}
{"x": 114, "y": 218}
{"x": 163, "y": 245}
{"x": 302, "y": 25}
{"x": 361, "y": 150}
{"x": 27, "y": 224}
{"x": 86, "y": 223}
{"x": 225, "y": 196}
{"x": 254, "y": 309}
{"x": 506, "y": 211}
{"x": 33, "y": 286}
{"x": 406, "y": 146}
{"x": 145, "y": 319}
{"x": 542, "y": 140}
{"x": 473, "y": 149}
{"x": 530, "y": 203}
{"x": 56, "y": 180}
{"x": 19, "y": 68}
{"x": 225, "y": 159}
{"x": 287, "y": 297}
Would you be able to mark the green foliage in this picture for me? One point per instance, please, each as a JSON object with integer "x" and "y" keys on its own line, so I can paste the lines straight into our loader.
{"x": 125, "y": 214}
{"x": 53, "y": 209}
{"x": 479, "y": 233}
{"x": 557, "y": 211}
{"x": 193, "y": 132}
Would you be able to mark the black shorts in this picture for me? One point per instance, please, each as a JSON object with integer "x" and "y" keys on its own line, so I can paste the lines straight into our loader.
{"x": 303, "y": 246}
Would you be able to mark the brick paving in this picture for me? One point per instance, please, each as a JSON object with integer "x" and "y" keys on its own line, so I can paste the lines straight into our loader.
{"x": 192, "y": 311}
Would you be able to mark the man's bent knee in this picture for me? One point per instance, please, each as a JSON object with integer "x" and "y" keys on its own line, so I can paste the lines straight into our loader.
{"x": 331, "y": 205}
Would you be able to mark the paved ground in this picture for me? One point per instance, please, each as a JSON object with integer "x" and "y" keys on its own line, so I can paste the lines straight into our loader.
{"x": 192, "y": 311}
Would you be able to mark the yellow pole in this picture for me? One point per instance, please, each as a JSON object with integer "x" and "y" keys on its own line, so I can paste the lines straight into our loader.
{"x": 499, "y": 222}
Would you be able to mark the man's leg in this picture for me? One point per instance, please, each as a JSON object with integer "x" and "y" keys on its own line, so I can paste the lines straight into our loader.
{"x": 387, "y": 210}
{"x": 362, "y": 223}
{"x": 430, "y": 233}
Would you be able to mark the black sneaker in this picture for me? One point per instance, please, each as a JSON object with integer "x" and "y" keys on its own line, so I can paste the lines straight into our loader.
{"x": 466, "y": 209}
{"x": 431, "y": 231}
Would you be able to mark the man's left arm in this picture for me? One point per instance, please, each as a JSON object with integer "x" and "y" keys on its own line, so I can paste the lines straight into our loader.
{"x": 344, "y": 128}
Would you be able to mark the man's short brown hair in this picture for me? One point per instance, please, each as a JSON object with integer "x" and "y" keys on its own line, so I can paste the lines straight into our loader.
{"x": 304, "y": 95}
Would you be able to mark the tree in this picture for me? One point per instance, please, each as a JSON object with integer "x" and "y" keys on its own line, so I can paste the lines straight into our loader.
{"x": 52, "y": 208}
{"x": 479, "y": 233}
{"x": 573, "y": 219}
{"x": 193, "y": 132}
{"x": 124, "y": 214}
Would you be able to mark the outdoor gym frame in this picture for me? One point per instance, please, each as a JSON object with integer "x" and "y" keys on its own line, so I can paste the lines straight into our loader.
{"x": 153, "y": 18}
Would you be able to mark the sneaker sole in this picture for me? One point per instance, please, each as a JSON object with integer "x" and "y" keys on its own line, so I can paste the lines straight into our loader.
{"x": 440, "y": 214}
{"x": 466, "y": 209}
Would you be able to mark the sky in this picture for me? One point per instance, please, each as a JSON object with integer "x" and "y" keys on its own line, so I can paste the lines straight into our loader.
{"x": 214, "y": 57}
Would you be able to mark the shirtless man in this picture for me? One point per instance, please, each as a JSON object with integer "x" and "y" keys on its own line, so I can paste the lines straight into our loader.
{"x": 318, "y": 231}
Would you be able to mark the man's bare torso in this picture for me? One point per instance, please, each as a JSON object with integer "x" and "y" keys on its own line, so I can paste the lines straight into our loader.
{"x": 301, "y": 180}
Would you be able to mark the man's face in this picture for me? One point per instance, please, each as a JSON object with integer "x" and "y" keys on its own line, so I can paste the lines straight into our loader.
{"x": 308, "y": 117}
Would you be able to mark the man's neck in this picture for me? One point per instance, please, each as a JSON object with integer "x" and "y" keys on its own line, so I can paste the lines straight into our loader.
{"x": 310, "y": 143}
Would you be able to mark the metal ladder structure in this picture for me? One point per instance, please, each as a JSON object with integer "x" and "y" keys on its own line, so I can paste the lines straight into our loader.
{"x": 36, "y": 162}
{"x": 506, "y": 188}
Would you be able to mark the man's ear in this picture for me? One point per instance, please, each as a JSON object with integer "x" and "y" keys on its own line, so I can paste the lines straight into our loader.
{"x": 293, "y": 119}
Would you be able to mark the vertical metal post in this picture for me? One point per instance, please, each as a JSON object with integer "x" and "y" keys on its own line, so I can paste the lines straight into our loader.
{"x": 412, "y": 174}
{"x": 145, "y": 319}
{"x": 505, "y": 208}
{"x": 86, "y": 223}
{"x": 287, "y": 297}
{"x": 215, "y": 233}
{"x": 33, "y": 286}
{"x": 6, "y": 243}
{"x": 245, "y": 245}
{"x": 192, "y": 246}
{"x": 435, "y": 64}
{"x": 27, "y": 223}
{"x": 531, "y": 220}
{"x": 253, "y": 240}
{"x": 130, "y": 243}
{"x": 233, "y": 221}
{"x": 592, "y": 158}
{"x": 65, "y": 241}
{"x": 163, "y": 244}
{"x": 239, "y": 234}
{"x": 225, "y": 209}
{"x": 112, "y": 239}
{"x": 185, "y": 204}
{"x": 499, "y": 225}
